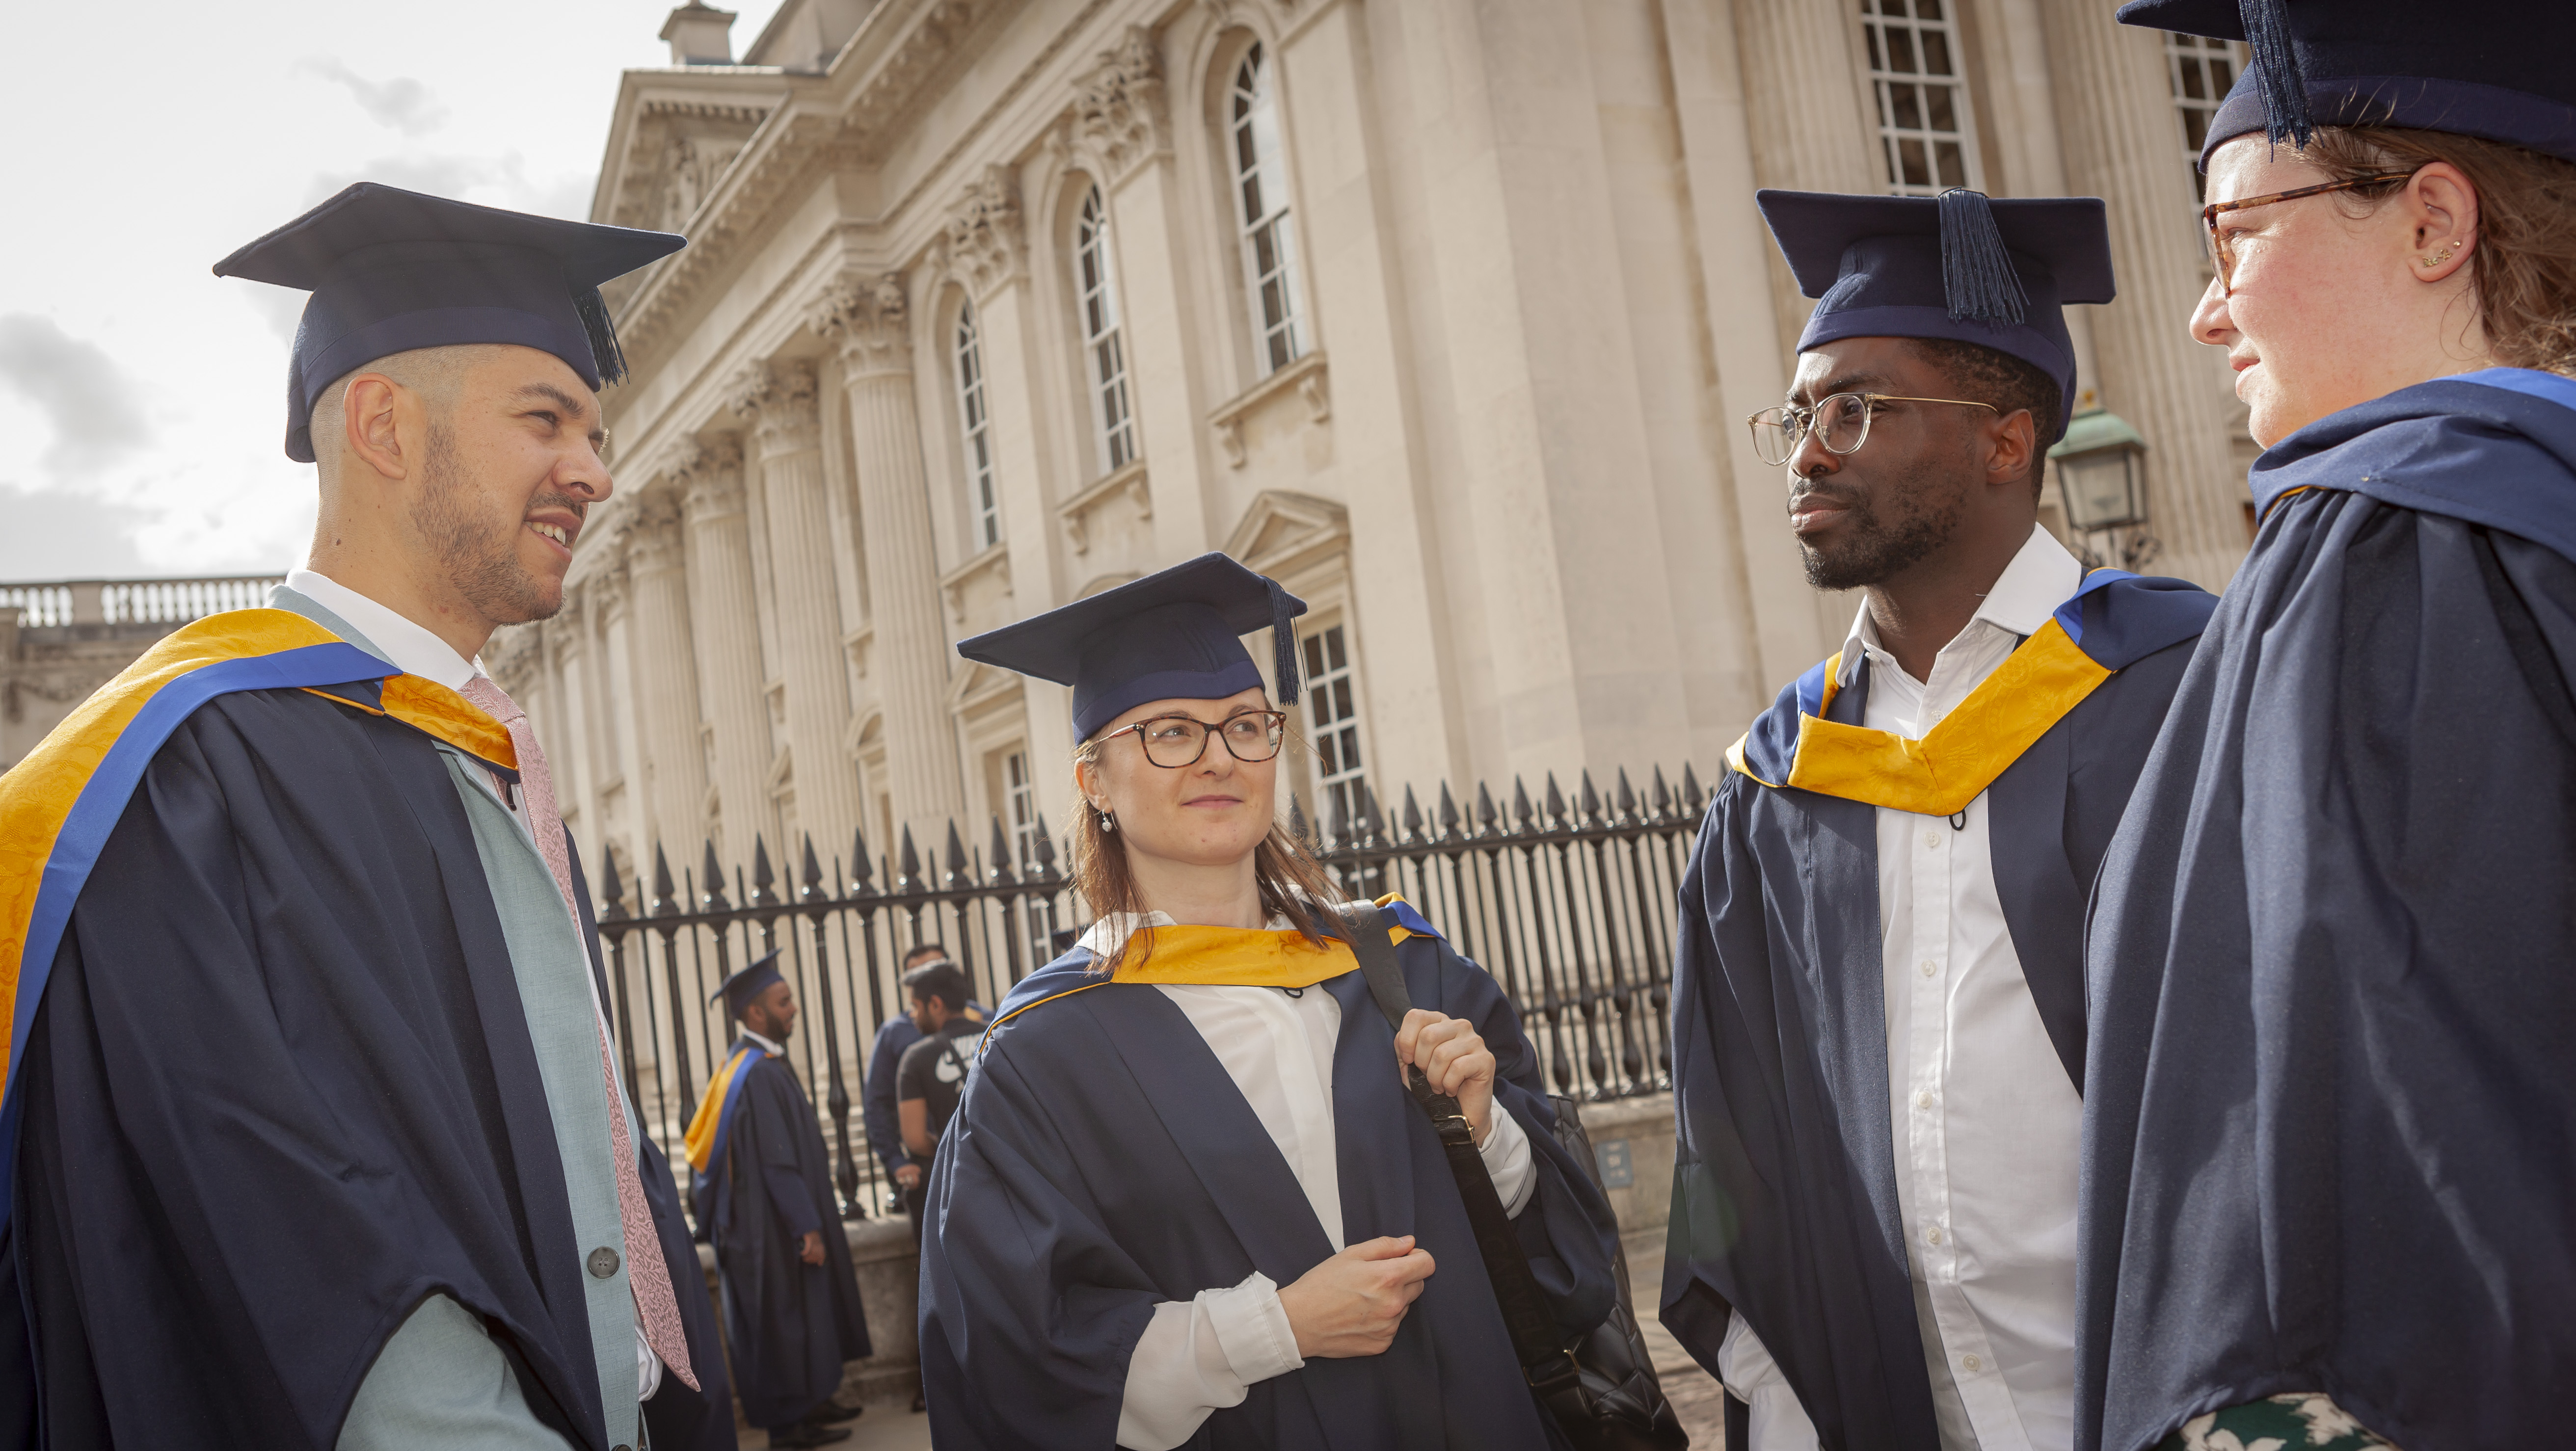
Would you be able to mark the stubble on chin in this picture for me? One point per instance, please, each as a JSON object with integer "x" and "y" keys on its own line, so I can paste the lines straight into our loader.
{"x": 478, "y": 552}
{"x": 1873, "y": 548}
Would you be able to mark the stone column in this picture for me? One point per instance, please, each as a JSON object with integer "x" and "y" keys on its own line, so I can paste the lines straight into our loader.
{"x": 869, "y": 319}
{"x": 1812, "y": 121}
{"x": 788, "y": 438}
{"x": 665, "y": 670}
{"x": 2115, "y": 103}
{"x": 726, "y": 636}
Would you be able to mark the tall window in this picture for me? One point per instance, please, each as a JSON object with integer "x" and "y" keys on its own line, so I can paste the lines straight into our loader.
{"x": 1333, "y": 720}
{"x": 2202, "y": 69}
{"x": 1102, "y": 342}
{"x": 1261, "y": 211}
{"x": 1020, "y": 790}
{"x": 978, "y": 434}
{"x": 1921, "y": 92}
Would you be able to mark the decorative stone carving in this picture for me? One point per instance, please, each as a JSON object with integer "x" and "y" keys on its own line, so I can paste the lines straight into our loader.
{"x": 984, "y": 233}
{"x": 869, "y": 319}
{"x": 709, "y": 471}
{"x": 653, "y": 535}
{"x": 779, "y": 397}
{"x": 1121, "y": 104}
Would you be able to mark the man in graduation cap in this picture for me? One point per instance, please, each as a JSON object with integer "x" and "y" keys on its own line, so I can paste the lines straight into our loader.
{"x": 1879, "y": 1030}
{"x": 762, "y": 1189}
{"x": 2330, "y": 1139}
{"x": 312, "y": 1136}
{"x": 1185, "y": 1198}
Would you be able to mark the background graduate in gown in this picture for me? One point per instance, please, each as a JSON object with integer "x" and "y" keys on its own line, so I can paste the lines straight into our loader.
{"x": 1878, "y": 998}
{"x": 1190, "y": 1201}
{"x": 763, "y": 1195}
{"x": 2331, "y": 1139}
{"x": 312, "y": 1133}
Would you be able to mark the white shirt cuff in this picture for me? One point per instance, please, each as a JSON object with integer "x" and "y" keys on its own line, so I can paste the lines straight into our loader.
{"x": 648, "y": 1366}
{"x": 1746, "y": 1369}
{"x": 1200, "y": 1356}
{"x": 1507, "y": 1159}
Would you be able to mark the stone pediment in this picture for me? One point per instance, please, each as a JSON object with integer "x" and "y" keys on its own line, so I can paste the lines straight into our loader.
{"x": 674, "y": 134}
{"x": 1283, "y": 531}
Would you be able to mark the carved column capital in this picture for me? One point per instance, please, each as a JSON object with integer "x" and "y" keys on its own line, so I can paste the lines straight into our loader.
{"x": 985, "y": 235}
{"x": 709, "y": 472}
{"x": 1121, "y": 104}
{"x": 653, "y": 538}
{"x": 778, "y": 396}
{"x": 869, "y": 319}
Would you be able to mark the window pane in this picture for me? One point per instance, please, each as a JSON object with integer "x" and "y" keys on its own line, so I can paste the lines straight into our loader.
{"x": 1936, "y": 53}
{"x": 1900, "y": 50}
{"x": 1954, "y": 167}
{"x": 1910, "y": 157}
{"x": 1924, "y": 128}
{"x": 1909, "y": 108}
{"x": 1938, "y": 107}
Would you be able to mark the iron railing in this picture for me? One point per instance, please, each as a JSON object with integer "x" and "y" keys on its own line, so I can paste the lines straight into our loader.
{"x": 1567, "y": 900}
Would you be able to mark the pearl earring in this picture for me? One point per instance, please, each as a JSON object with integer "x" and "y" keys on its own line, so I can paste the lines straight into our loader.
{"x": 1107, "y": 821}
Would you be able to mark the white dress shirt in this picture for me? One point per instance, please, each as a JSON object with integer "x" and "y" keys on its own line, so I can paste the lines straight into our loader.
{"x": 1201, "y": 1355}
{"x": 416, "y": 650}
{"x": 1983, "y": 1120}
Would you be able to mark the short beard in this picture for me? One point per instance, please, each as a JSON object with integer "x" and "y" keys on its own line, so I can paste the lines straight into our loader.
{"x": 1876, "y": 549}
{"x": 480, "y": 558}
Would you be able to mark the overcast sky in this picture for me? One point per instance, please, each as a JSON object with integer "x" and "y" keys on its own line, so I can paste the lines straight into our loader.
{"x": 142, "y": 399}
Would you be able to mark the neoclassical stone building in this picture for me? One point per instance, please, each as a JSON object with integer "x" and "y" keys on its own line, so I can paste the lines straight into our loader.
{"x": 1444, "y": 312}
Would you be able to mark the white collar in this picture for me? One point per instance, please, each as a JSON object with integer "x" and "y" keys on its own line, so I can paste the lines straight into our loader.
{"x": 774, "y": 1050}
{"x": 407, "y": 646}
{"x": 2041, "y": 577}
{"x": 1111, "y": 932}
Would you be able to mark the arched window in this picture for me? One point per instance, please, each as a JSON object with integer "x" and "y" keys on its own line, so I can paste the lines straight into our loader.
{"x": 1103, "y": 345}
{"x": 975, "y": 427}
{"x": 1261, "y": 213}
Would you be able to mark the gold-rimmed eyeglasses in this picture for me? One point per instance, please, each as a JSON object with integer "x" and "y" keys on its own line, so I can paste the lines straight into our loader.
{"x": 1175, "y": 741}
{"x": 2222, "y": 245}
{"x": 1840, "y": 423}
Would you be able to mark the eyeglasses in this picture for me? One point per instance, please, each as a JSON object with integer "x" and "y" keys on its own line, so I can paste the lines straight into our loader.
{"x": 1174, "y": 741}
{"x": 1840, "y": 423}
{"x": 2222, "y": 245}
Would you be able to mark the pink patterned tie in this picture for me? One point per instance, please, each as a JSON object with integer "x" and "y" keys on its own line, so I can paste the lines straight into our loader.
{"x": 646, "y": 1273}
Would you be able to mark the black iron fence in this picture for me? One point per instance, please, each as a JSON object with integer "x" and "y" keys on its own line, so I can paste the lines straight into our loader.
{"x": 1568, "y": 900}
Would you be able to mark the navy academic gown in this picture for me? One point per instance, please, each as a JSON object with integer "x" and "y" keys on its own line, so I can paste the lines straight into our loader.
{"x": 2331, "y": 1125}
{"x": 1784, "y": 1195}
{"x": 791, "y": 1325}
{"x": 279, "y": 1090}
{"x": 1102, "y": 1160}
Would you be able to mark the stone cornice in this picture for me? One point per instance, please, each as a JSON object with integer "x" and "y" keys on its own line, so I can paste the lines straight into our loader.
{"x": 868, "y": 319}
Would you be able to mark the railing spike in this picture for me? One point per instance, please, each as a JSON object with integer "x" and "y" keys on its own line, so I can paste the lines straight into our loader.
{"x": 1627, "y": 797}
{"x": 1341, "y": 827}
{"x": 1591, "y": 799}
{"x": 1485, "y": 813}
{"x": 1001, "y": 873}
{"x": 1521, "y": 802}
{"x": 663, "y": 904}
{"x": 1368, "y": 821}
{"x": 613, "y": 907}
{"x": 1690, "y": 790}
{"x": 1448, "y": 813}
{"x": 712, "y": 875}
{"x": 1044, "y": 851}
{"x": 1662, "y": 797}
{"x": 812, "y": 876}
{"x": 960, "y": 872}
{"x": 1412, "y": 818}
{"x": 1555, "y": 800}
{"x": 907, "y": 865}
{"x": 862, "y": 878}
{"x": 1298, "y": 829}
{"x": 762, "y": 878}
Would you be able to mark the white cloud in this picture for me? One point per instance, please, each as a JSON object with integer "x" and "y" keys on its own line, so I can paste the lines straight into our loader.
{"x": 84, "y": 397}
{"x": 402, "y": 103}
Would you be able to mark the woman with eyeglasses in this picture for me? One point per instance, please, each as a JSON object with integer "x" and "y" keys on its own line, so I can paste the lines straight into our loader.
{"x": 1186, "y": 1197}
{"x": 2330, "y": 1150}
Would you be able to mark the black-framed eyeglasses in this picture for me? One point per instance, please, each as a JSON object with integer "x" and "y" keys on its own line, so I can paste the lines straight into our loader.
{"x": 1175, "y": 741}
{"x": 1839, "y": 422}
{"x": 2222, "y": 245}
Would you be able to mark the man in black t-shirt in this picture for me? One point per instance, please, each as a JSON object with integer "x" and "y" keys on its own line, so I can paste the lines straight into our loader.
{"x": 933, "y": 1072}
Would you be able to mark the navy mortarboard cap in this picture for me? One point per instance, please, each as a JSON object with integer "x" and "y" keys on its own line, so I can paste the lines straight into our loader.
{"x": 392, "y": 270}
{"x": 2498, "y": 71}
{"x": 751, "y": 982}
{"x": 1957, "y": 266}
{"x": 1173, "y": 635}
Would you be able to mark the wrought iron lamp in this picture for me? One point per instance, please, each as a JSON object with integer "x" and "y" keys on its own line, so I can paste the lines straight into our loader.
{"x": 2102, "y": 482}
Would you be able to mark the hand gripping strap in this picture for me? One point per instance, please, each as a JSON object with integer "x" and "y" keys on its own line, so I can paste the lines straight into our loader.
{"x": 1526, "y": 1316}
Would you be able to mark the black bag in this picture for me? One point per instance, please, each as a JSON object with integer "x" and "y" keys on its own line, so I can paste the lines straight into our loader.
{"x": 1600, "y": 1385}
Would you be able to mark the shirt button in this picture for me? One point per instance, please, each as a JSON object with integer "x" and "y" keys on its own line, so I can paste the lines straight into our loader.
{"x": 1932, "y": 1235}
{"x": 1923, "y": 1099}
{"x": 1931, "y": 841}
{"x": 1929, "y": 968}
{"x": 1971, "y": 1362}
{"x": 603, "y": 1262}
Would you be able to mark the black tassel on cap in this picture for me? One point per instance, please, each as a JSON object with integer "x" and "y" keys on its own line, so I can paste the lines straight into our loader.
{"x": 2276, "y": 66}
{"x": 1977, "y": 276}
{"x": 1283, "y": 643}
{"x": 603, "y": 334}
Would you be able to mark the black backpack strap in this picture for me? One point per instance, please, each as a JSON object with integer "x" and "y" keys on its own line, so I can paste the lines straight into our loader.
{"x": 1526, "y": 1315}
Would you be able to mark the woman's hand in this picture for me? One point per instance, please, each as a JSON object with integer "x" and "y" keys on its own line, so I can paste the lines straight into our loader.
{"x": 1352, "y": 1303}
{"x": 1456, "y": 1061}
